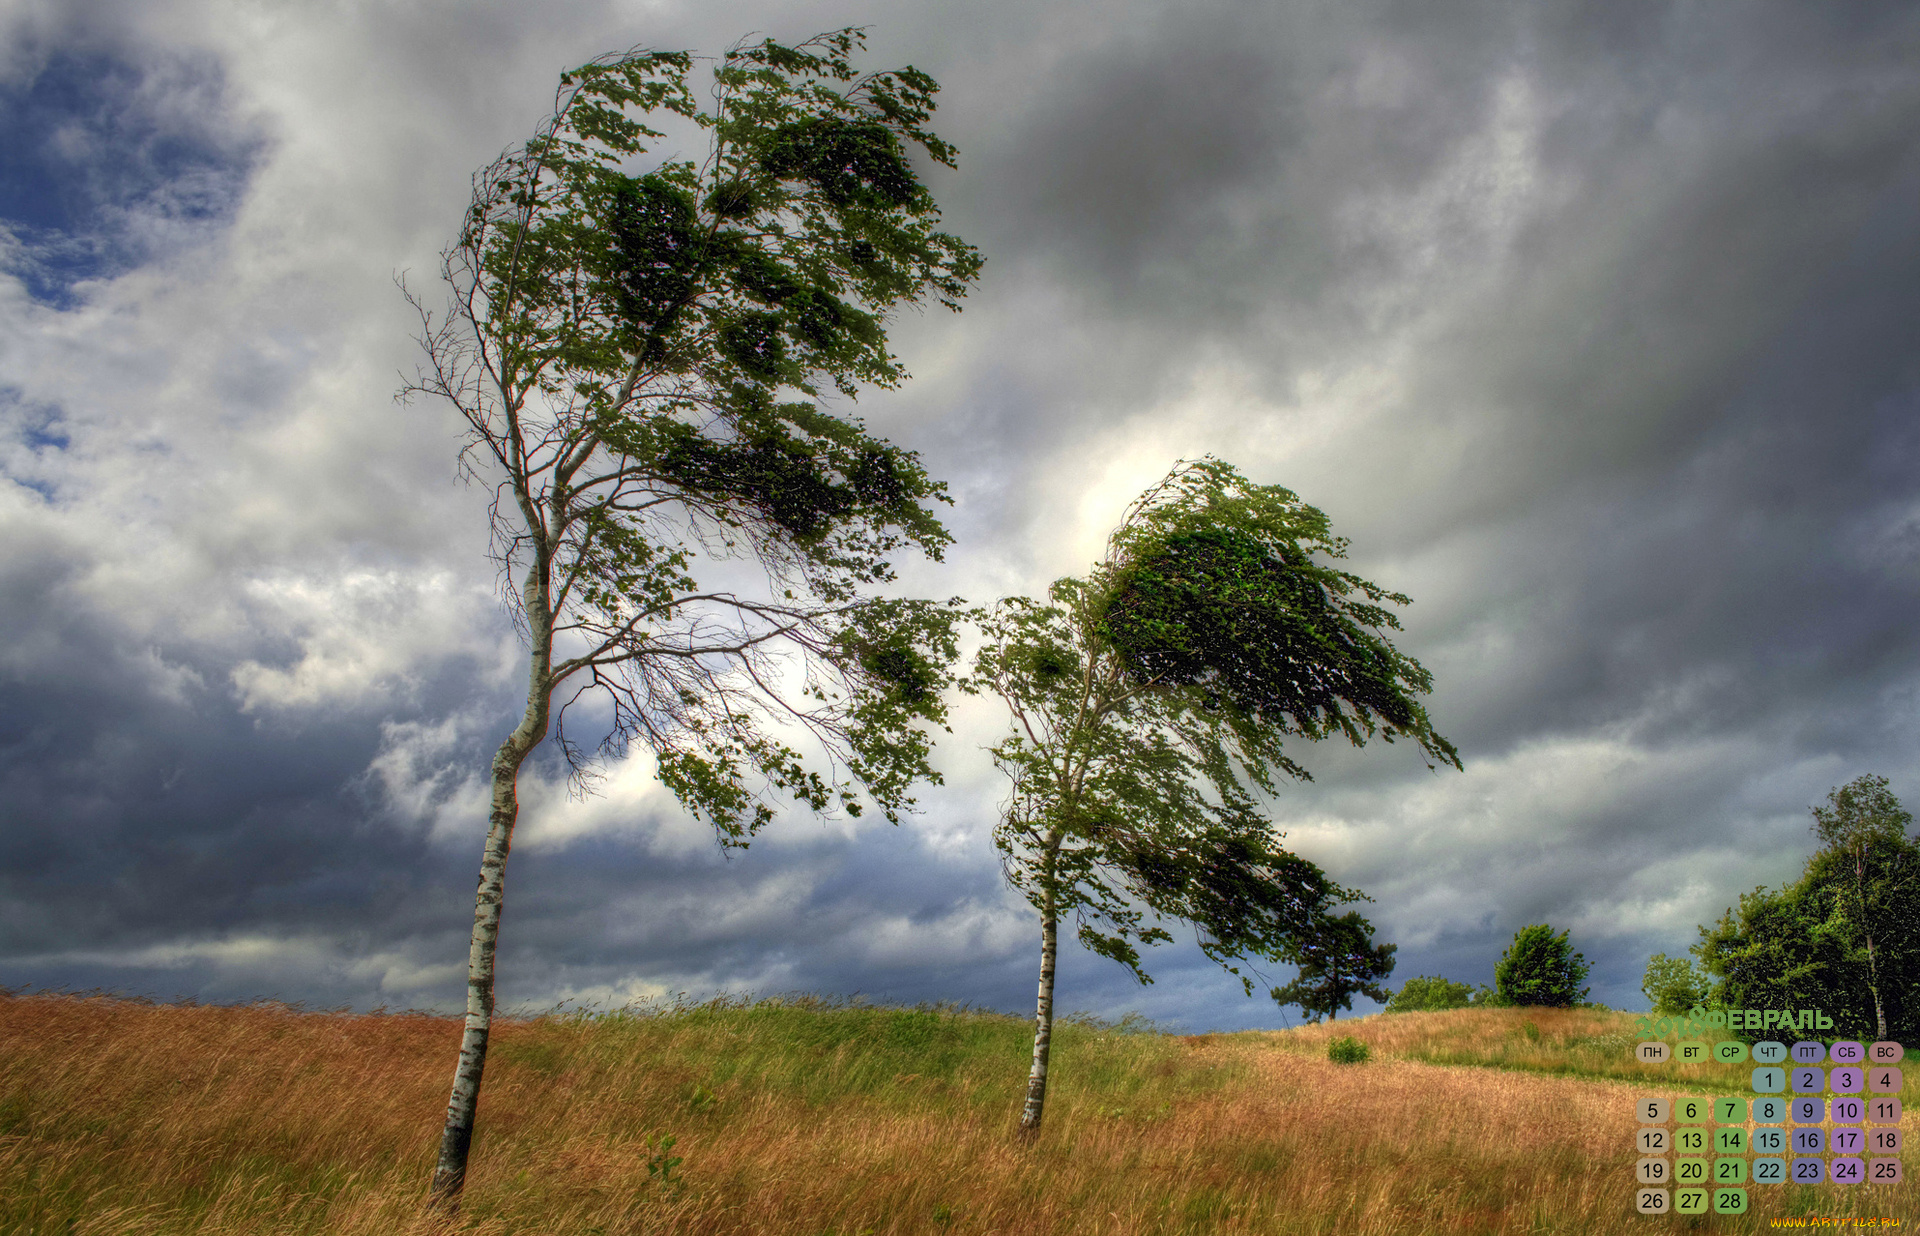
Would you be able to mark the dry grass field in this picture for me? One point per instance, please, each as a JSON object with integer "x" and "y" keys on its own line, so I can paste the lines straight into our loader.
{"x": 799, "y": 1118}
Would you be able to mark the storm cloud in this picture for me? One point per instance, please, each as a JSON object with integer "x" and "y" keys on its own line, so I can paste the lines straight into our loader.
{"x": 1596, "y": 327}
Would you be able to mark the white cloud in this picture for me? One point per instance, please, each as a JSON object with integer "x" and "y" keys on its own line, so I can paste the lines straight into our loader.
{"x": 361, "y": 636}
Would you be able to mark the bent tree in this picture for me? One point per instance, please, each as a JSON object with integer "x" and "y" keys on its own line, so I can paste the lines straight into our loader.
{"x": 1149, "y": 705}
{"x": 685, "y": 545}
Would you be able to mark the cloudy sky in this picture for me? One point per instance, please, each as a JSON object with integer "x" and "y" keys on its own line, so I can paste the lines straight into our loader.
{"x": 1595, "y": 326}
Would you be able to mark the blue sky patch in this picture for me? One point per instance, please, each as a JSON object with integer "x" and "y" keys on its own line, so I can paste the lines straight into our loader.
{"x": 32, "y": 434}
{"x": 107, "y": 162}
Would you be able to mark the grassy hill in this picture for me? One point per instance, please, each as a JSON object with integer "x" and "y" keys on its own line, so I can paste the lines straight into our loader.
{"x": 801, "y": 1118}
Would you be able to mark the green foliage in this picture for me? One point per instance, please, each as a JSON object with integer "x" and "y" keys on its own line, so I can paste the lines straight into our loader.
{"x": 1845, "y": 937}
{"x": 1146, "y": 722}
{"x": 1765, "y": 954}
{"x": 1429, "y": 993}
{"x": 1261, "y": 632}
{"x": 1673, "y": 984}
{"x": 1862, "y": 816}
{"x": 639, "y": 351}
{"x": 1348, "y": 1050}
{"x": 1540, "y": 968}
{"x": 1212, "y": 592}
{"x": 1338, "y": 960}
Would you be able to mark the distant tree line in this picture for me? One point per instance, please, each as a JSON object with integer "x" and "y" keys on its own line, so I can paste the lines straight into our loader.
{"x": 1843, "y": 938}
{"x": 1539, "y": 969}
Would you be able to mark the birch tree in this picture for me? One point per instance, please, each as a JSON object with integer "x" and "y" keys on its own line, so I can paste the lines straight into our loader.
{"x": 1864, "y": 828}
{"x": 1844, "y": 937}
{"x": 688, "y": 535}
{"x": 1150, "y": 702}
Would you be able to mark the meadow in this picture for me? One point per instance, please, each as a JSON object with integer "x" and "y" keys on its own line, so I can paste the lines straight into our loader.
{"x": 800, "y": 1117}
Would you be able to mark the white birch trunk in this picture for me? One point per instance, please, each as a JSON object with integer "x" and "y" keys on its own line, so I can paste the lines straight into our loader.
{"x": 1042, "y": 1021}
{"x": 1873, "y": 985}
{"x": 456, "y": 1140}
{"x": 1873, "y": 971}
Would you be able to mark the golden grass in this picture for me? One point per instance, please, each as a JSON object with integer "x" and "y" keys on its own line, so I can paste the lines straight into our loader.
{"x": 119, "y": 1117}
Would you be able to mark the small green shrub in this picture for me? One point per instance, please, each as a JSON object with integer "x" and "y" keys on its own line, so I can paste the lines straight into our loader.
{"x": 660, "y": 1164}
{"x": 1347, "y": 1050}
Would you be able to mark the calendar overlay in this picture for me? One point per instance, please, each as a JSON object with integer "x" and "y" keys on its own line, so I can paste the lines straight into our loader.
{"x": 1813, "y": 1112}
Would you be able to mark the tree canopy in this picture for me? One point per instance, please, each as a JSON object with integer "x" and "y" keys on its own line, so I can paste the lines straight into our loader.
{"x": 623, "y": 341}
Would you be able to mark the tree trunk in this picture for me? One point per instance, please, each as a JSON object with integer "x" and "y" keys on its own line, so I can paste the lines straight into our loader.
{"x": 1042, "y": 1020}
{"x": 1873, "y": 973}
{"x": 450, "y": 1173}
{"x": 1873, "y": 985}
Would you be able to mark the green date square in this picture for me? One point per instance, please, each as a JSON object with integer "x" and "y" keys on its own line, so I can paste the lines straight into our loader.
{"x": 1691, "y": 1111}
{"x": 1690, "y": 1140}
{"x": 1690, "y": 1172}
{"x": 1730, "y": 1110}
{"x": 1690, "y": 1201}
{"x": 1729, "y": 1171}
{"x": 1730, "y": 1201}
{"x": 1730, "y": 1141}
